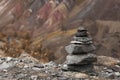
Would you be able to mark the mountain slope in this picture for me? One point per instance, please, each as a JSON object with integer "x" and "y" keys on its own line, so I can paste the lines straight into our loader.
{"x": 43, "y": 27}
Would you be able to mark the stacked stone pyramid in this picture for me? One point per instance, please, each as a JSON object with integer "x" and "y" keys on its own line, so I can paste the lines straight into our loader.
{"x": 80, "y": 51}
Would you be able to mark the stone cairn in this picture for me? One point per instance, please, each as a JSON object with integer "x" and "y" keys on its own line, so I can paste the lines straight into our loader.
{"x": 80, "y": 57}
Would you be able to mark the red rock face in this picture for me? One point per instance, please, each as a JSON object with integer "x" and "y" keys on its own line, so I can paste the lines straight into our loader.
{"x": 54, "y": 22}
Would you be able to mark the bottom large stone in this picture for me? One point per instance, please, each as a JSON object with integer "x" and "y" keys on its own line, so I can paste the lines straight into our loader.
{"x": 83, "y": 68}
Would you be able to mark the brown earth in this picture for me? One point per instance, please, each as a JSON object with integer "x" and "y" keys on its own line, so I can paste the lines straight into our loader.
{"x": 44, "y": 28}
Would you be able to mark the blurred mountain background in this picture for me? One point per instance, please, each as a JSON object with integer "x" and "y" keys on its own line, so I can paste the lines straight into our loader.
{"x": 43, "y": 28}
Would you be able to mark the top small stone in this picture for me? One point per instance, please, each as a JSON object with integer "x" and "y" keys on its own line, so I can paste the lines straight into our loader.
{"x": 81, "y": 32}
{"x": 80, "y": 29}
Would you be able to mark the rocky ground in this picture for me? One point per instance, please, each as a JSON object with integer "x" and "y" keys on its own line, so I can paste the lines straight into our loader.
{"x": 23, "y": 29}
{"x": 27, "y": 68}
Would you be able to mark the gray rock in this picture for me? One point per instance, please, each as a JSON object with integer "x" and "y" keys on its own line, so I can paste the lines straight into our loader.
{"x": 34, "y": 77}
{"x": 5, "y": 65}
{"x": 63, "y": 78}
{"x": 83, "y": 39}
{"x": 109, "y": 71}
{"x": 79, "y": 49}
{"x": 81, "y": 34}
{"x": 8, "y": 59}
{"x": 117, "y": 74}
{"x": 20, "y": 76}
{"x": 38, "y": 66}
{"x": 81, "y": 68}
{"x": 1, "y": 61}
{"x": 81, "y": 59}
{"x": 50, "y": 64}
{"x": 65, "y": 67}
{"x": 106, "y": 75}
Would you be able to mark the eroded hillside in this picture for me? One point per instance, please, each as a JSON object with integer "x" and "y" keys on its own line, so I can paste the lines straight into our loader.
{"x": 42, "y": 28}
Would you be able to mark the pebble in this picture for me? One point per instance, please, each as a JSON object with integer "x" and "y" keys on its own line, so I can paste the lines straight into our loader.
{"x": 111, "y": 76}
{"x": 81, "y": 75}
{"x": 63, "y": 78}
{"x": 36, "y": 69}
{"x": 5, "y": 70}
{"x": 20, "y": 65}
{"x": 20, "y": 75}
{"x": 26, "y": 66}
{"x": 39, "y": 66}
{"x": 50, "y": 64}
{"x": 117, "y": 74}
{"x": 3, "y": 58}
{"x": 54, "y": 74}
{"x": 1, "y": 61}
{"x": 117, "y": 66}
{"x": 65, "y": 67}
{"x": 109, "y": 70}
{"x": 5, "y": 65}
{"x": 34, "y": 77}
{"x": 8, "y": 59}
{"x": 46, "y": 71}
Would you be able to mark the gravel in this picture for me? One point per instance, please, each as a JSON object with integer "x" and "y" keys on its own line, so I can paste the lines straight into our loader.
{"x": 20, "y": 69}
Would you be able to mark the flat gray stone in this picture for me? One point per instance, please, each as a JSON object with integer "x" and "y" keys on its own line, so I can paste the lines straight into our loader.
{"x": 81, "y": 59}
{"x": 79, "y": 49}
{"x": 82, "y": 39}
